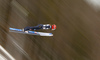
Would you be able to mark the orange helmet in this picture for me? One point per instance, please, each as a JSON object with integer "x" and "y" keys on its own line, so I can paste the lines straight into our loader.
{"x": 53, "y": 27}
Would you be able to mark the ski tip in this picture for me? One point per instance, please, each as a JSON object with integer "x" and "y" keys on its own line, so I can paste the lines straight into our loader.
{"x": 50, "y": 34}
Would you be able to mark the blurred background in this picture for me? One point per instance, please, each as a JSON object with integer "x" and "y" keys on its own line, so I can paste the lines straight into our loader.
{"x": 77, "y": 36}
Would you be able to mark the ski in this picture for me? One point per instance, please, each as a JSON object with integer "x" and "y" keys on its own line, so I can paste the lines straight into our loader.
{"x": 30, "y": 32}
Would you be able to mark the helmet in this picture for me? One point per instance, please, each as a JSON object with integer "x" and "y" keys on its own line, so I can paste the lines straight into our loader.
{"x": 53, "y": 27}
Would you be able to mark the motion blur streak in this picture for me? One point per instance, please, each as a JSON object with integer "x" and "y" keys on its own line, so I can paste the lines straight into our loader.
{"x": 18, "y": 6}
{"x": 77, "y": 36}
{"x": 2, "y": 57}
{"x": 15, "y": 44}
{"x": 94, "y": 3}
{"x": 2, "y": 49}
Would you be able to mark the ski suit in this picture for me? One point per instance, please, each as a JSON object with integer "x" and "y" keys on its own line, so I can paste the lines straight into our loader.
{"x": 33, "y": 27}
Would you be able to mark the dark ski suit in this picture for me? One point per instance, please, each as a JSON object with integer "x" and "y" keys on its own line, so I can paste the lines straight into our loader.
{"x": 34, "y": 27}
